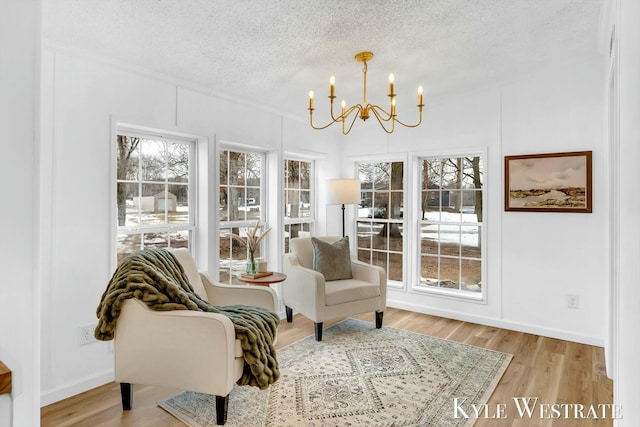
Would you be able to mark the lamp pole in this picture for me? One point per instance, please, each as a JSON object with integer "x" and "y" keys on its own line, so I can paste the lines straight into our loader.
{"x": 343, "y": 220}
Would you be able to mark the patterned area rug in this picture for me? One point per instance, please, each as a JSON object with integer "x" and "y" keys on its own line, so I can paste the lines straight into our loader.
{"x": 359, "y": 375}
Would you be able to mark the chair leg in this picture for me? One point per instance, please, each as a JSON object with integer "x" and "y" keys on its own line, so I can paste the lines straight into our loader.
{"x": 319, "y": 331}
{"x": 379, "y": 319}
{"x": 126, "y": 391}
{"x": 222, "y": 404}
{"x": 289, "y": 311}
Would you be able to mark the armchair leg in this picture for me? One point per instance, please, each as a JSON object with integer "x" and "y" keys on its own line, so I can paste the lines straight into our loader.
{"x": 289, "y": 311}
{"x": 379, "y": 319}
{"x": 319, "y": 331}
{"x": 126, "y": 391}
{"x": 222, "y": 404}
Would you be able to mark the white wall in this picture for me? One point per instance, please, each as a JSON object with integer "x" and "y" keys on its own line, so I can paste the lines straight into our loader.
{"x": 19, "y": 150}
{"x": 626, "y": 302}
{"x": 534, "y": 260}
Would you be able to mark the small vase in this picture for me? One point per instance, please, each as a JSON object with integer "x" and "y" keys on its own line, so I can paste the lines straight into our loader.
{"x": 252, "y": 266}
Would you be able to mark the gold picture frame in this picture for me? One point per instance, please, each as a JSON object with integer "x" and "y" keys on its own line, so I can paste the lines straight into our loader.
{"x": 553, "y": 182}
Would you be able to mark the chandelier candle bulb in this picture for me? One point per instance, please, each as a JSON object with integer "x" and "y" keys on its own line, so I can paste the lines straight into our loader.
{"x": 343, "y": 104}
{"x": 391, "y": 80}
{"x": 332, "y": 82}
{"x": 310, "y": 100}
{"x": 419, "y": 96}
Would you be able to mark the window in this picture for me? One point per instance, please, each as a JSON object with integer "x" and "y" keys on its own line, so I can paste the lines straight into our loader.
{"x": 153, "y": 193}
{"x": 380, "y": 221}
{"x": 241, "y": 190}
{"x": 450, "y": 224}
{"x": 299, "y": 210}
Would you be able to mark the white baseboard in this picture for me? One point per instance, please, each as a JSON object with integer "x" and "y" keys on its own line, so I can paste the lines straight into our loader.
{"x": 499, "y": 323}
{"x": 67, "y": 390}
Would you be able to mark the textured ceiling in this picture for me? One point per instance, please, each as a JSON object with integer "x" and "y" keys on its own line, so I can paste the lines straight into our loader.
{"x": 273, "y": 52}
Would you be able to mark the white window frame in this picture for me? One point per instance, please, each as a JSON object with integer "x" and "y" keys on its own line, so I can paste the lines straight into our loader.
{"x": 158, "y": 135}
{"x": 416, "y": 287}
{"x": 399, "y": 285}
{"x": 311, "y": 219}
{"x": 245, "y": 223}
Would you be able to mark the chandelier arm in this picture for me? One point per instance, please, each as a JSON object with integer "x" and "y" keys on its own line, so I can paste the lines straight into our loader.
{"x": 351, "y": 109}
{"x": 382, "y": 121}
{"x": 352, "y": 121}
{"x": 321, "y": 127}
{"x": 341, "y": 118}
{"x": 377, "y": 110}
{"x": 411, "y": 126}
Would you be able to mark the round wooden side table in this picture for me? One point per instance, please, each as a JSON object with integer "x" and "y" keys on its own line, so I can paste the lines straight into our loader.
{"x": 264, "y": 280}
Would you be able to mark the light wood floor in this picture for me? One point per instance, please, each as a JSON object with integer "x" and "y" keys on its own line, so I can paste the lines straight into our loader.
{"x": 552, "y": 370}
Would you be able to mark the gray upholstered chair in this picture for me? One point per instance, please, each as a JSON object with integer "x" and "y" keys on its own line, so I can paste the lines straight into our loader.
{"x": 306, "y": 291}
{"x": 183, "y": 349}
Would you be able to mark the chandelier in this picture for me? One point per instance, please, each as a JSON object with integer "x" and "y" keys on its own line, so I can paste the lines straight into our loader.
{"x": 387, "y": 119}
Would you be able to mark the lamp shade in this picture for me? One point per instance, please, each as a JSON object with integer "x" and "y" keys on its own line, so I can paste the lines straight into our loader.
{"x": 343, "y": 191}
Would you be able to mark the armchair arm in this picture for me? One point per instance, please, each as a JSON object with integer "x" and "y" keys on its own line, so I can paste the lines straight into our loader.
{"x": 257, "y": 296}
{"x": 304, "y": 288}
{"x": 184, "y": 349}
{"x": 372, "y": 274}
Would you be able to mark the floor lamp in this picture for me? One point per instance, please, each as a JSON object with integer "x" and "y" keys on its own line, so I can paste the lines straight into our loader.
{"x": 344, "y": 191}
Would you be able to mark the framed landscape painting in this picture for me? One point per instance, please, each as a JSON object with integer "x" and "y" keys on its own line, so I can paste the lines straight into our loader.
{"x": 555, "y": 182}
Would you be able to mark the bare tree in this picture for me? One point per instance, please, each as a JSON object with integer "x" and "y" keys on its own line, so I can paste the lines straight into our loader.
{"x": 126, "y": 147}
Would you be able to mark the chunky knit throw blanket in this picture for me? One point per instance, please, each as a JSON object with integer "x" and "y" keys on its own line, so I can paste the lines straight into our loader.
{"x": 155, "y": 277}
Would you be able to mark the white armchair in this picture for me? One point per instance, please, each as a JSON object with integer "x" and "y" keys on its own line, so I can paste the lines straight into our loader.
{"x": 306, "y": 291}
{"x": 188, "y": 350}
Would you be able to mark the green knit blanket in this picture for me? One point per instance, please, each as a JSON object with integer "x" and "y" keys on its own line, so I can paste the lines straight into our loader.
{"x": 155, "y": 277}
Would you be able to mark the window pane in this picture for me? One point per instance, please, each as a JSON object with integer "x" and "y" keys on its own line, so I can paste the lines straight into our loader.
{"x": 470, "y": 240}
{"x": 253, "y": 169}
{"x": 449, "y": 240}
{"x": 365, "y": 232}
{"x": 128, "y": 204}
{"x": 364, "y": 256}
{"x": 128, "y": 158}
{"x": 223, "y": 167}
{"x": 236, "y": 201}
{"x": 252, "y": 207}
{"x": 126, "y": 244}
{"x": 305, "y": 175}
{"x": 449, "y": 272}
{"x": 395, "y": 266}
{"x": 397, "y": 173}
{"x": 379, "y": 258}
{"x": 305, "y": 204}
{"x": 180, "y": 239}
{"x": 155, "y": 240}
{"x": 292, "y": 174}
{"x": 429, "y": 239}
{"x": 380, "y": 205}
{"x": 178, "y": 162}
{"x": 236, "y": 168}
{"x": 152, "y": 204}
{"x": 177, "y": 204}
{"x": 471, "y": 271}
{"x": 153, "y": 160}
{"x": 429, "y": 270}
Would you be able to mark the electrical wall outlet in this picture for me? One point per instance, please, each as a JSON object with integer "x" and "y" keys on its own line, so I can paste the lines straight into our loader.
{"x": 85, "y": 334}
{"x": 574, "y": 302}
